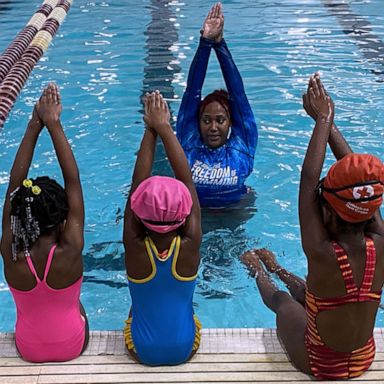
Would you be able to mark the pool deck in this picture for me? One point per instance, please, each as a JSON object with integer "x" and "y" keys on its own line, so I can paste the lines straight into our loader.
{"x": 230, "y": 355}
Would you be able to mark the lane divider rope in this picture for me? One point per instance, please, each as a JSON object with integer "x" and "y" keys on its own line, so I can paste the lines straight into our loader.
{"x": 38, "y": 43}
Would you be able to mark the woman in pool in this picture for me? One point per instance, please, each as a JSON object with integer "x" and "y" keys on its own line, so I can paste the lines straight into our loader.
{"x": 218, "y": 134}
{"x": 331, "y": 336}
{"x": 162, "y": 236}
{"x": 41, "y": 245}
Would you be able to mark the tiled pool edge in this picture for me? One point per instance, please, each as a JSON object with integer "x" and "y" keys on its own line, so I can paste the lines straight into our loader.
{"x": 214, "y": 340}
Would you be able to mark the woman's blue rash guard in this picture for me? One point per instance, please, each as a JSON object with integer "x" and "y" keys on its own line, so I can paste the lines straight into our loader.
{"x": 219, "y": 174}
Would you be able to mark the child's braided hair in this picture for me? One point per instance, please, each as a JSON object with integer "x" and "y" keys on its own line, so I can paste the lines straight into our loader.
{"x": 37, "y": 208}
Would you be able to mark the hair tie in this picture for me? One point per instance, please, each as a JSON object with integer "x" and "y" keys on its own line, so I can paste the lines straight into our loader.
{"x": 27, "y": 183}
{"x": 36, "y": 190}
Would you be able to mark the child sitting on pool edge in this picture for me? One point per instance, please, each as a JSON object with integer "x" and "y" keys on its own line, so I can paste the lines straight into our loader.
{"x": 326, "y": 324}
{"x": 162, "y": 236}
{"x": 41, "y": 244}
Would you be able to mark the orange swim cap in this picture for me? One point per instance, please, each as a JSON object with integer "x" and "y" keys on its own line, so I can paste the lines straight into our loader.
{"x": 354, "y": 187}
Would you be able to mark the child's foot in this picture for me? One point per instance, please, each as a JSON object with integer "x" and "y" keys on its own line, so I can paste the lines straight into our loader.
{"x": 268, "y": 258}
{"x": 252, "y": 262}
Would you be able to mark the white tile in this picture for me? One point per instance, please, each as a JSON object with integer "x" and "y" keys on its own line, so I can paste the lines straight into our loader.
{"x": 214, "y": 340}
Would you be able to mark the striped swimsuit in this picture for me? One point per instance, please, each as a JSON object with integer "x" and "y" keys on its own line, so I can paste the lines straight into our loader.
{"x": 325, "y": 362}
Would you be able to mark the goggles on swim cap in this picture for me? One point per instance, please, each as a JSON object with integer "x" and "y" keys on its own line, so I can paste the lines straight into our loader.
{"x": 354, "y": 186}
{"x": 356, "y": 202}
{"x": 162, "y": 226}
{"x": 334, "y": 191}
{"x": 163, "y": 223}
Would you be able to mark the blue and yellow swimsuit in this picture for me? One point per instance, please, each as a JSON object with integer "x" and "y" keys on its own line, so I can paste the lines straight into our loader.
{"x": 219, "y": 174}
{"x": 162, "y": 328}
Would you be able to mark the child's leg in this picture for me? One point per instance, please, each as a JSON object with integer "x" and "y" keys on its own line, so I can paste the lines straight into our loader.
{"x": 291, "y": 317}
{"x": 295, "y": 284}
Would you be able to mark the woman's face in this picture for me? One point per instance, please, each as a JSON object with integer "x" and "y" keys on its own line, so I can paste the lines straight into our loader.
{"x": 214, "y": 125}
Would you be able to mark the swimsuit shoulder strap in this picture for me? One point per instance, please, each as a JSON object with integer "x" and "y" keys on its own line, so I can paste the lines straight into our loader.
{"x": 174, "y": 262}
{"x": 32, "y": 267}
{"x": 345, "y": 267}
{"x": 49, "y": 261}
{"x": 161, "y": 256}
{"x": 370, "y": 264}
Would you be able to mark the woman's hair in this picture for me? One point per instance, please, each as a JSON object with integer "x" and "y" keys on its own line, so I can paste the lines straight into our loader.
{"x": 37, "y": 208}
{"x": 221, "y": 96}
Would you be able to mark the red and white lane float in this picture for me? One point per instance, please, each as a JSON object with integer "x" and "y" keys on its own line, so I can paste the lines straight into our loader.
{"x": 18, "y": 60}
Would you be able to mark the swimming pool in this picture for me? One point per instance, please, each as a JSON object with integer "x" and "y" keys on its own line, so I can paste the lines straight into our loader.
{"x": 107, "y": 54}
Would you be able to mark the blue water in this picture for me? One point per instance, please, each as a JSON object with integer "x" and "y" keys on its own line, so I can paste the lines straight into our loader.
{"x": 107, "y": 54}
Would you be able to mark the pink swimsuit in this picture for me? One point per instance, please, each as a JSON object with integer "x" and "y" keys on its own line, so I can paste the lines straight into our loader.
{"x": 49, "y": 324}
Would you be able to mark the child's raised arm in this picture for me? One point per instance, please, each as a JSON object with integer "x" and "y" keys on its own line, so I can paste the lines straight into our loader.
{"x": 19, "y": 172}
{"x": 336, "y": 140}
{"x": 340, "y": 148}
{"x": 146, "y": 154}
{"x": 313, "y": 233}
{"x": 49, "y": 109}
{"x": 133, "y": 229}
{"x": 157, "y": 118}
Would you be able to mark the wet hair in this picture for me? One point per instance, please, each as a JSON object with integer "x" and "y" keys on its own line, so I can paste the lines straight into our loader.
{"x": 36, "y": 214}
{"x": 221, "y": 96}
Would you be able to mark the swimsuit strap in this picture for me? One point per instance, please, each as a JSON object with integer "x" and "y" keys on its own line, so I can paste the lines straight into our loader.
{"x": 32, "y": 268}
{"x": 370, "y": 264}
{"x": 346, "y": 271}
{"x": 165, "y": 255}
{"x": 345, "y": 267}
{"x": 49, "y": 261}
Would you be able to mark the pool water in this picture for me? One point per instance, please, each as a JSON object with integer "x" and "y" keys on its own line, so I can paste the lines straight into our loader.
{"x": 108, "y": 53}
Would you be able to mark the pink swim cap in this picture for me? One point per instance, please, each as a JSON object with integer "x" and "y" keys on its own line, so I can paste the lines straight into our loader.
{"x": 162, "y": 203}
